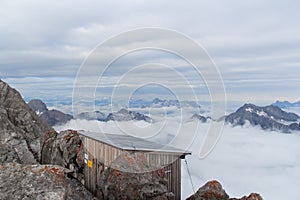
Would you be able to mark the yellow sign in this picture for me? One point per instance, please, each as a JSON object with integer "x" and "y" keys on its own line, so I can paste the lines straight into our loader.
{"x": 90, "y": 164}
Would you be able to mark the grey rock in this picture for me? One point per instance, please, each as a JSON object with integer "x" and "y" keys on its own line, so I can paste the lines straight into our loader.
{"x": 19, "y": 181}
{"x": 64, "y": 149}
{"x": 8, "y": 154}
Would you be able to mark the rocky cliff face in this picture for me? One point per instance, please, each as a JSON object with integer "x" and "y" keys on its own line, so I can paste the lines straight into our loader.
{"x": 20, "y": 133}
{"x": 20, "y": 127}
{"x": 213, "y": 190}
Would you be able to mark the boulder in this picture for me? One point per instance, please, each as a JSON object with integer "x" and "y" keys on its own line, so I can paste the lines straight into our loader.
{"x": 64, "y": 149}
{"x": 28, "y": 182}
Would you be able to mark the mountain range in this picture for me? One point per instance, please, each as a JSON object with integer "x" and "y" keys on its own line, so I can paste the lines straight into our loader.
{"x": 286, "y": 104}
{"x": 269, "y": 117}
{"x": 160, "y": 103}
{"x": 55, "y": 117}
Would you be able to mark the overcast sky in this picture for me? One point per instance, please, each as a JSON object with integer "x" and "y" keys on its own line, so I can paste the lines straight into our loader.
{"x": 255, "y": 44}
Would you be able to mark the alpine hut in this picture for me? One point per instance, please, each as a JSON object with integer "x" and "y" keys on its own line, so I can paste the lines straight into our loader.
{"x": 102, "y": 150}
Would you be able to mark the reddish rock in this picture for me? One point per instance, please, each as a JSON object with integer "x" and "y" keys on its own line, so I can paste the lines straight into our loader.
{"x": 213, "y": 191}
{"x": 210, "y": 191}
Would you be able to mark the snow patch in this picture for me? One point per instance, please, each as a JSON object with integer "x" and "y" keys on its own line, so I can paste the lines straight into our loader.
{"x": 38, "y": 112}
{"x": 249, "y": 110}
{"x": 261, "y": 113}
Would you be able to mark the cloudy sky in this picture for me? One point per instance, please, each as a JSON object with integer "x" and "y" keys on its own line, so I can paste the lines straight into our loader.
{"x": 255, "y": 45}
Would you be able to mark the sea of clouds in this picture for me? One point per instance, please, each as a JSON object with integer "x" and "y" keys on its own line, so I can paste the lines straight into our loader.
{"x": 245, "y": 159}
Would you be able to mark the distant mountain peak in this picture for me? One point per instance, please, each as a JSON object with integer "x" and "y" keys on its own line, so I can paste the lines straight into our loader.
{"x": 51, "y": 117}
{"x": 127, "y": 115}
{"x": 268, "y": 117}
{"x": 286, "y": 104}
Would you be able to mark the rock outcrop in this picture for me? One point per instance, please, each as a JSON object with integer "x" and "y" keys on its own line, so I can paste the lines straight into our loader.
{"x": 51, "y": 117}
{"x": 64, "y": 149}
{"x": 20, "y": 127}
{"x": 39, "y": 182}
{"x": 213, "y": 190}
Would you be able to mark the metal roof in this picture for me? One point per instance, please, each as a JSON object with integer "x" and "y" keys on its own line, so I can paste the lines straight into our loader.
{"x": 127, "y": 142}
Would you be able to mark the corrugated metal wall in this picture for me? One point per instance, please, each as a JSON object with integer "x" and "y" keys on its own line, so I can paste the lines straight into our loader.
{"x": 101, "y": 155}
